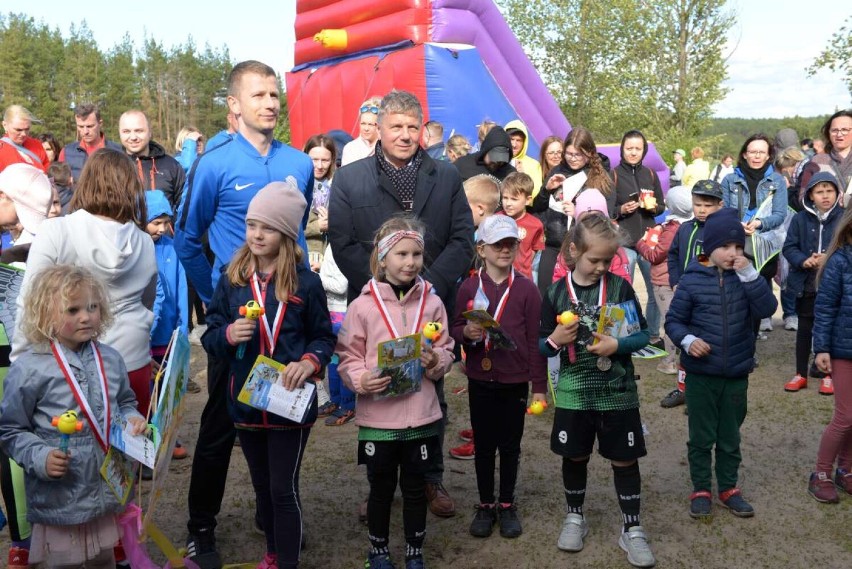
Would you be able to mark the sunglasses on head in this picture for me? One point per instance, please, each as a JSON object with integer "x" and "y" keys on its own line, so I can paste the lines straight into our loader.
{"x": 370, "y": 109}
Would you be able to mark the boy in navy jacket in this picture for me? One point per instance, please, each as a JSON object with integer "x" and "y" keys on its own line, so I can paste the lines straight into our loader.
{"x": 706, "y": 200}
{"x": 711, "y": 315}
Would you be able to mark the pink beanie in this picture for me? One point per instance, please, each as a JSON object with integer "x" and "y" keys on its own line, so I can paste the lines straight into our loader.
{"x": 280, "y": 205}
{"x": 590, "y": 200}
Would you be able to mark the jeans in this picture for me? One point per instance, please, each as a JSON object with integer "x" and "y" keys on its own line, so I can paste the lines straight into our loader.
{"x": 652, "y": 313}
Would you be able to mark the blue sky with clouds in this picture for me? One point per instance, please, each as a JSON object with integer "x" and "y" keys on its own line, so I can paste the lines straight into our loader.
{"x": 767, "y": 51}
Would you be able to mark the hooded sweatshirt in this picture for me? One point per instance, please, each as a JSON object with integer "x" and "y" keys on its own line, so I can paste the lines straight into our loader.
{"x": 528, "y": 164}
{"x": 474, "y": 164}
{"x": 171, "y": 307}
{"x": 159, "y": 171}
{"x": 630, "y": 183}
{"x": 122, "y": 256}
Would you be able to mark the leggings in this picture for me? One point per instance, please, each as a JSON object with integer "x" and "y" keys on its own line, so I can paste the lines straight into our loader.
{"x": 140, "y": 383}
{"x": 836, "y": 441}
{"x": 805, "y": 333}
{"x": 274, "y": 458}
{"x": 382, "y": 488}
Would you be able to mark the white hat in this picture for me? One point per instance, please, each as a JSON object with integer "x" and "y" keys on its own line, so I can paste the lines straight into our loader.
{"x": 30, "y": 190}
{"x": 495, "y": 228}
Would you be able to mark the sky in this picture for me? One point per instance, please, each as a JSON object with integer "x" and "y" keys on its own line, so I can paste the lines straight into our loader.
{"x": 767, "y": 51}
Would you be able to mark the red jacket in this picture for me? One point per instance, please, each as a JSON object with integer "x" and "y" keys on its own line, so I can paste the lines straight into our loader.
{"x": 658, "y": 252}
{"x": 9, "y": 154}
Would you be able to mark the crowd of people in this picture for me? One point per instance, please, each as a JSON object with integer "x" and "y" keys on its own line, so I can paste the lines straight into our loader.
{"x": 352, "y": 245}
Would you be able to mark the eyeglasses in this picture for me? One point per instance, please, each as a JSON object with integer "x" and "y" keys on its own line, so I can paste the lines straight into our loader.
{"x": 553, "y": 153}
{"x": 369, "y": 109}
{"x": 756, "y": 152}
{"x": 574, "y": 156}
{"x": 840, "y": 131}
{"x": 510, "y": 244}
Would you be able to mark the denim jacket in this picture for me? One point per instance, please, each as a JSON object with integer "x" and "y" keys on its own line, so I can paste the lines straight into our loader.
{"x": 735, "y": 194}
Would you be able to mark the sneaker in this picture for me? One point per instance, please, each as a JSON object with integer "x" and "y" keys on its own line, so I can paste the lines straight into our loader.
{"x": 192, "y": 387}
{"x": 270, "y": 561}
{"x": 466, "y": 435}
{"x": 667, "y": 368}
{"x": 483, "y": 520}
{"x": 673, "y": 399}
{"x": 201, "y": 549}
{"x": 733, "y": 500}
{"x": 766, "y": 325}
{"x": 439, "y": 500}
{"x": 814, "y": 372}
{"x": 700, "y": 504}
{"x": 762, "y": 336}
{"x": 19, "y": 558}
{"x": 326, "y": 409}
{"x": 510, "y": 523}
{"x": 195, "y": 335}
{"x": 822, "y": 488}
{"x": 379, "y": 561}
{"x": 339, "y": 417}
{"x": 574, "y": 529}
{"x": 826, "y": 386}
{"x": 635, "y": 543}
{"x": 467, "y": 451}
{"x": 798, "y": 382}
{"x": 658, "y": 343}
{"x": 791, "y": 323}
{"x": 843, "y": 480}
{"x": 179, "y": 453}
{"x": 415, "y": 563}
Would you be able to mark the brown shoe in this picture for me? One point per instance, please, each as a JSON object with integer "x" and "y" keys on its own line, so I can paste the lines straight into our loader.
{"x": 440, "y": 502}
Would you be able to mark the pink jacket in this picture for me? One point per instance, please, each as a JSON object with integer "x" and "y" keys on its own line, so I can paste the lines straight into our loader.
{"x": 357, "y": 346}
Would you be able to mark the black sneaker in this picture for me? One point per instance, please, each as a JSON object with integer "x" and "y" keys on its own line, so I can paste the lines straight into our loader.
{"x": 483, "y": 520}
{"x": 673, "y": 399}
{"x": 201, "y": 549}
{"x": 733, "y": 500}
{"x": 700, "y": 504}
{"x": 510, "y": 523}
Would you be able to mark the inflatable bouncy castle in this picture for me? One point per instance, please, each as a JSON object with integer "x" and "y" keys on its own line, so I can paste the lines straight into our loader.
{"x": 459, "y": 57}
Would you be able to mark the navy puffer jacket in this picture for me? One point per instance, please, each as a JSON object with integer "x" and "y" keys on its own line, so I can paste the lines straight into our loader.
{"x": 833, "y": 307}
{"x": 719, "y": 308}
{"x": 809, "y": 233}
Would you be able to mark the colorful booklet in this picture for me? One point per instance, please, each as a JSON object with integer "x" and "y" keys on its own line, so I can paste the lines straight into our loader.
{"x": 500, "y": 340}
{"x": 138, "y": 447}
{"x": 262, "y": 391}
{"x": 618, "y": 320}
{"x": 400, "y": 360}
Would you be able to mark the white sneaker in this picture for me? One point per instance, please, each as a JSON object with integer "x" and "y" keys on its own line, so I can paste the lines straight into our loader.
{"x": 791, "y": 323}
{"x": 766, "y": 325}
{"x": 635, "y": 543}
{"x": 195, "y": 335}
{"x": 574, "y": 529}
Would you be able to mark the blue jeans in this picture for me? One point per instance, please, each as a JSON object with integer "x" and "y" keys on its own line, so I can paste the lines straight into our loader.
{"x": 652, "y": 313}
{"x": 341, "y": 395}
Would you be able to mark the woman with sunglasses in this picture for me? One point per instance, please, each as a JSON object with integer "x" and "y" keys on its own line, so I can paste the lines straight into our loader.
{"x": 368, "y": 133}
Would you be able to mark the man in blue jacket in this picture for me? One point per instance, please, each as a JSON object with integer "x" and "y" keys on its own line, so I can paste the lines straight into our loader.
{"x": 220, "y": 186}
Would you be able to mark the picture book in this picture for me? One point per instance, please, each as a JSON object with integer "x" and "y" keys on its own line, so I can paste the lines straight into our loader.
{"x": 138, "y": 447}
{"x": 500, "y": 339}
{"x": 618, "y": 320}
{"x": 262, "y": 391}
{"x": 399, "y": 359}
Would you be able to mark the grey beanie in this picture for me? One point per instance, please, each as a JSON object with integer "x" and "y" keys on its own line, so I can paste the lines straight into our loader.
{"x": 280, "y": 205}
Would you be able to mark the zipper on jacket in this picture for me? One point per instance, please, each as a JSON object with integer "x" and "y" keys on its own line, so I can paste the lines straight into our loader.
{"x": 724, "y": 324}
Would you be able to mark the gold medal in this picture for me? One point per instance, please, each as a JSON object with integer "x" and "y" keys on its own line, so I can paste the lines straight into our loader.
{"x": 604, "y": 363}
{"x": 486, "y": 364}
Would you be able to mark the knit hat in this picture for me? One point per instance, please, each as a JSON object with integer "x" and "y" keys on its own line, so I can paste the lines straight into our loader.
{"x": 30, "y": 190}
{"x": 823, "y": 177}
{"x": 280, "y": 205}
{"x": 495, "y": 228}
{"x": 721, "y": 228}
{"x": 679, "y": 204}
{"x": 590, "y": 200}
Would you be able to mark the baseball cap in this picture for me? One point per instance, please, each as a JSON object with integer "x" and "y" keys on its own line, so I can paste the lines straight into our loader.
{"x": 707, "y": 188}
{"x": 495, "y": 228}
{"x": 30, "y": 190}
{"x": 499, "y": 154}
{"x": 680, "y": 151}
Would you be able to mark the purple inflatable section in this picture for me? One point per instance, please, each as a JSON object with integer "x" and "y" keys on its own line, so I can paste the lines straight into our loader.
{"x": 480, "y": 23}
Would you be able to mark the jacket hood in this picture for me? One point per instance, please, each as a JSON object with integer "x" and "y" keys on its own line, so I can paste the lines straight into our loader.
{"x": 157, "y": 205}
{"x": 808, "y": 204}
{"x": 496, "y": 137}
{"x": 633, "y": 134}
{"x": 155, "y": 150}
{"x": 119, "y": 245}
{"x": 520, "y": 126}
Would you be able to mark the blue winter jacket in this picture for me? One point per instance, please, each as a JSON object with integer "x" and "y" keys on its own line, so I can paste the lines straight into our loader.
{"x": 171, "y": 306}
{"x": 719, "y": 308}
{"x": 735, "y": 194}
{"x": 808, "y": 233}
{"x": 833, "y": 307}
{"x": 686, "y": 246}
{"x": 305, "y": 334}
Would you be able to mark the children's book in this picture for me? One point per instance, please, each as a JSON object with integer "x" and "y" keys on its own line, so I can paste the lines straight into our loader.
{"x": 262, "y": 391}
{"x": 618, "y": 320}
{"x": 118, "y": 475}
{"x": 138, "y": 447}
{"x": 399, "y": 359}
{"x": 499, "y": 338}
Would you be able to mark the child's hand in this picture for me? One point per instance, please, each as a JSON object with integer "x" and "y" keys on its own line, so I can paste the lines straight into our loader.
{"x": 565, "y": 334}
{"x": 699, "y": 348}
{"x": 538, "y": 397}
{"x": 568, "y": 208}
{"x": 823, "y": 362}
{"x": 814, "y": 261}
{"x": 554, "y": 182}
{"x": 606, "y": 346}
{"x": 56, "y": 464}
{"x": 138, "y": 426}
{"x": 749, "y": 228}
{"x": 473, "y": 332}
{"x": 294, "y": 375}
{"x": 372, "y": 384}
{"x": 740, "y": 262}
{"x": 428, "y": 357}
{"x": 242, "y": 330}
{"x": 155, "y": 369}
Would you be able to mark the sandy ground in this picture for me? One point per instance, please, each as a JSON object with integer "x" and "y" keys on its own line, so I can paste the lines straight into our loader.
{"x": 780, "y": 438}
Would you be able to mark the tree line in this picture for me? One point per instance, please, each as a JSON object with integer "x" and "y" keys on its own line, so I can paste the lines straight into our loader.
{"x": 50, "y": 74}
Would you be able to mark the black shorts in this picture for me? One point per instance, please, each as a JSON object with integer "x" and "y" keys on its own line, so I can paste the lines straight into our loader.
{"x": 414, "y": 456}
{"x": 619, "y": 434}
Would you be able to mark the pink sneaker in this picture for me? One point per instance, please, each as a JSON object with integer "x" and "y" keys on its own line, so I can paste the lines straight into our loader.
{"x": 270, "y": 561}
{"x": 843, "y": 480}
{"x": 467, "y": 451}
